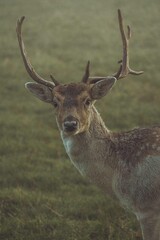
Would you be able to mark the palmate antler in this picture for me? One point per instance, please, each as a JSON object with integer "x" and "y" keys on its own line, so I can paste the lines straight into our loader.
{"x": 124, "y": 68}
{"x": 26, "y": 61}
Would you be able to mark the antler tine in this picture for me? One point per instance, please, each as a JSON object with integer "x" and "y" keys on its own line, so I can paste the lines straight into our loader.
{"x": 125, "y": 69}
{"x": 87, "y": 73}
{"x": 54, "y": 80}
{"x": 26, "y": 61}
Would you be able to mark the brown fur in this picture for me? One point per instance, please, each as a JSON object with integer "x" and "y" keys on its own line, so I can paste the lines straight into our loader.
{"x": 125, "y": 165}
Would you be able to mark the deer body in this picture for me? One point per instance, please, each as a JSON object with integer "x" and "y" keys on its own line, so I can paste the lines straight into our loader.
{"x": 125, "y": 165}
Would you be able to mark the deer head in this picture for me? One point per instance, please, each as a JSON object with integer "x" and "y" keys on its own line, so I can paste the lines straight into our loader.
{"x": 73, "y": 102}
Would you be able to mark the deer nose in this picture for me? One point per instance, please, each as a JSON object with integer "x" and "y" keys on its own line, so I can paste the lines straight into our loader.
{"x": 70, "y": 124}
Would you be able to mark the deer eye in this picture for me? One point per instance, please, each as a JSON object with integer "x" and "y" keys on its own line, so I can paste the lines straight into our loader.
{"x": 55, "y": 103}
{"x": 87, "y": 102}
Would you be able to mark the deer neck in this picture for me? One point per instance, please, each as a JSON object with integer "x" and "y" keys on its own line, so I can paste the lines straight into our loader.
{"x": 97, "y": 127}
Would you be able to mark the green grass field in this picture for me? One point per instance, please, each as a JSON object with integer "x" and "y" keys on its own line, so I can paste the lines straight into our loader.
{"x": 42, "y": 196}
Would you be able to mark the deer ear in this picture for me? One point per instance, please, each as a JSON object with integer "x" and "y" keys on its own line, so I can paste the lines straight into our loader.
{"x": 102, "y": 87}
{"x": 40, "y": 91}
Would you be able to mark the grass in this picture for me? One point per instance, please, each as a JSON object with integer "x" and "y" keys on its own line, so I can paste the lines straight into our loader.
{"x": 42, "y": 196}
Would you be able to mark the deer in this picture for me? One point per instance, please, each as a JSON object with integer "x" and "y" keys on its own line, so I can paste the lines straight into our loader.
{"x": 125, "y": 165}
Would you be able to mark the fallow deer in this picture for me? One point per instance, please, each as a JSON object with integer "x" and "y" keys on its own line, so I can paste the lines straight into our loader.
{"x": 125, "y": 165}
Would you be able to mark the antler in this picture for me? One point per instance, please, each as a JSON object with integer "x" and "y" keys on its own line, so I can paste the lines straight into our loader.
{"x": 26, "y": 61}
{"x": 86, "y": 74}
{"x": 124, "y": 68}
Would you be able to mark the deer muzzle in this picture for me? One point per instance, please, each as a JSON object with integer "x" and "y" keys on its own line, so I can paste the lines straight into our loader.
{"x": 70, "y": 124}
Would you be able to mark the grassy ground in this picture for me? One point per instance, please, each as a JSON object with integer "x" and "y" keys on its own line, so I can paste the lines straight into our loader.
{"x": 42, "y": 196}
